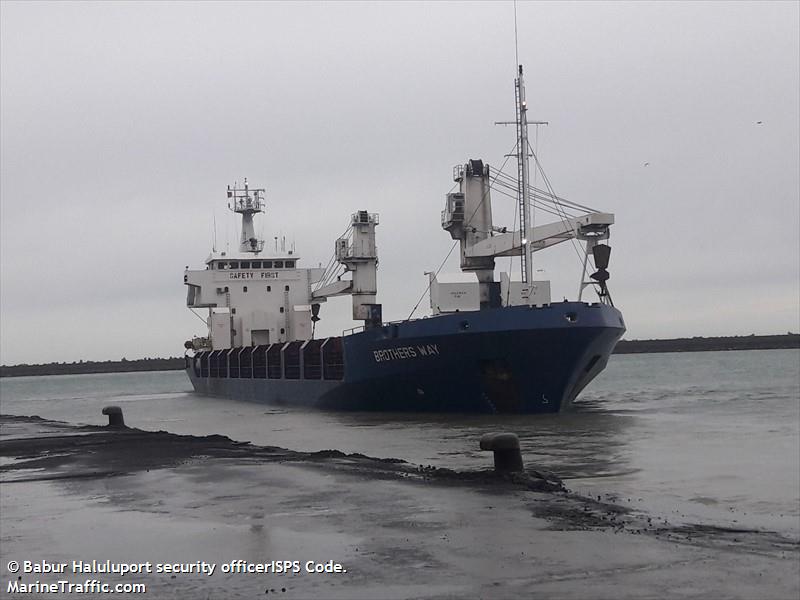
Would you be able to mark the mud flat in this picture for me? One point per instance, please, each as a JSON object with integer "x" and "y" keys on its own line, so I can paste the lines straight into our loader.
{"x": 391, "y": 529}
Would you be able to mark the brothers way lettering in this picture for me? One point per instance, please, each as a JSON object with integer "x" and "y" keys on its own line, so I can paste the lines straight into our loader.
{"x": 405, "y": 352}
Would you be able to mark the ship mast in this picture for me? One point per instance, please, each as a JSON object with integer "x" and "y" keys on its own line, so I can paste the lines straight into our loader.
{"x": 523, "y": 175}
{"x": 247, "y": 202}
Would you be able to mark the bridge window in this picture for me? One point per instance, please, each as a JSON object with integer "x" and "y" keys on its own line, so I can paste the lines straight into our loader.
{"x": 281, "y": 309}
{"x": 221, "y": 265}
{"x": 290, "y": 264}
{"x": 287, "y": 288}
{"x": 233, "y": 265}
{"x": 245, "y": 265}
{"x": 256, "y": 264}
{"x": 267, "y": 264}
{"x": 278, "y": 264}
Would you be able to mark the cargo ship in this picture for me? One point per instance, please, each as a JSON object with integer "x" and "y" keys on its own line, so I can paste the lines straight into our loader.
{"x": 488, "y": 345}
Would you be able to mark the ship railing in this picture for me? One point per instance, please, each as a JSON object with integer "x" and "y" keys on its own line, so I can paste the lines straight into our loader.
{"x": 256, "y": 245}
{"x": 248, "y": 204}
{"x": 360, "y": 328}
{"x": 449, "y": 217}
{"x": 397, "y": 322}
{"x": 363, "y": 217}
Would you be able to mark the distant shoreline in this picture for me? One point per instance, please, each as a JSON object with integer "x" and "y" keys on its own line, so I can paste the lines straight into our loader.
{"x": 695, "y": 344}
{"x": 710, "y": 344}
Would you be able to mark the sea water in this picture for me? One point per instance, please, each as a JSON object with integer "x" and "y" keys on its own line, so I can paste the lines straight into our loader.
{"x": 710, "y": 437}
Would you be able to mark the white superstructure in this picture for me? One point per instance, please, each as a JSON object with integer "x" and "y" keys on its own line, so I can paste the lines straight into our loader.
{"x": 259, "y": 296}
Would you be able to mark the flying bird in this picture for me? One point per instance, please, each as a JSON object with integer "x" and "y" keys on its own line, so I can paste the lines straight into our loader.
{"x": 647, "y": 164}
{"x": 759, "y": 122}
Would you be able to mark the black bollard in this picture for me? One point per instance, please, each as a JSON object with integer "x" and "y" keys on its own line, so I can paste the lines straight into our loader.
{"x": 507, "y": 457}
{"x": 114, "y": 416}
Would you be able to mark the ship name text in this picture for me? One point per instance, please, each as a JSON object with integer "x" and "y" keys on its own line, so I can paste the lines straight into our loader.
{"x": 405, "y": 352}
{"x": 251, "y": 275}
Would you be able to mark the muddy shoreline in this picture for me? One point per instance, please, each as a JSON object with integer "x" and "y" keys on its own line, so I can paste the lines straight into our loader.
{"x": 378, "y": 515}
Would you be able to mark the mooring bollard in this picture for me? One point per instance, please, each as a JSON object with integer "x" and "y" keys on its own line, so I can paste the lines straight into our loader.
{"x": 114, "y": 416}
{"x": 507, "y": 457}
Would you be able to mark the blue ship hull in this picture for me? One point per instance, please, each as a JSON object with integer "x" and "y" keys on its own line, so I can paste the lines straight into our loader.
{"x": 516, "y": 359}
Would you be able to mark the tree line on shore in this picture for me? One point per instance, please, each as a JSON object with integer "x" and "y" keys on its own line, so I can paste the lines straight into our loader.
{"x": 710, "y": 344}
{"x": 93, "y": 366}
{"x": 694, "y": 344}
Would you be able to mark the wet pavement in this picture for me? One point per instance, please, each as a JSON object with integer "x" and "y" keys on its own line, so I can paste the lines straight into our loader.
{"x": 397, "y": 529}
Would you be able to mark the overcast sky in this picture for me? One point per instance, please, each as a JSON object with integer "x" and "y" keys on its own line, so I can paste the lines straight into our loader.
{"x": 122, "y": 123}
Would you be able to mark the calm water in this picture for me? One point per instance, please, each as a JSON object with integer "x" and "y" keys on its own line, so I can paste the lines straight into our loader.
{"x": 699, "y": 437}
